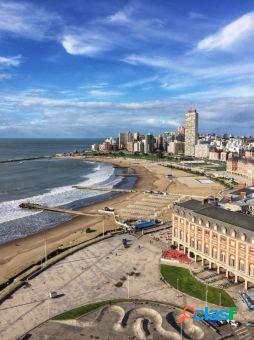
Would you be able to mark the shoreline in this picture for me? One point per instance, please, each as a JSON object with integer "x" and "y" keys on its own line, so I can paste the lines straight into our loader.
{"x": 30, "y": 249}
{"x": 19, "y": 254}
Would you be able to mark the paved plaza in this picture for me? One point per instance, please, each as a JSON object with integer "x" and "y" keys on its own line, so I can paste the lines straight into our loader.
{"x": 89, "y": 275}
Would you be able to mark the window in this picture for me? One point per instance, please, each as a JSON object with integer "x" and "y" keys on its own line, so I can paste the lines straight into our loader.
{"x": 200, "y": 221}
{"x": 223, "y": 257}
{"x": 181, "y": 235}
{"x": 206, "y": 249}
{"x": 176, "y": 232}
{"x": 233, "y": 233}
{"x": 232, "y": 243}
{"x": 252, "y": 240}
{"x": 187, "y": 238}
{"x": 215, "y": 227}
{"x": 214, "y": 253}
{"x": 224, "y": 230}
{"x": 243, "y": 237}
{"x": 252, "y": 270}
{"x": 199, "y": 246}
{"x": 242, "y": 265}
{"x": 208, "y": 224}
{"x": 193, "y": 219}
{"x": 192, "y": 243}
{"x": 223, "y": 239}
{"x": 232, "y": 261}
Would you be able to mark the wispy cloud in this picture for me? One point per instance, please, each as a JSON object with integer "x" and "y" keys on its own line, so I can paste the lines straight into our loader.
{"x": 154, "y": 61}
{"x": 24, "y": 19}
{"x": 85, "y": 43}
{"x": 118, "y": 17}
{"x": 231, "y": 35}
{"x": 5, "y": 76}
{"x": 49, "y": 114}
{"x": 10, "y": 61}
{"x": 197, "y": 16}
{"x": 104, "y": 93}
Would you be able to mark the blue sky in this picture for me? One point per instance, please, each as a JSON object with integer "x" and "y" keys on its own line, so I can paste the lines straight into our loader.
{"x": 91, "y": 68}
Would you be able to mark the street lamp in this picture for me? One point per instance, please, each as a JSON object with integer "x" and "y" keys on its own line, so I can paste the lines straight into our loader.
{"x": 206, "y": 293}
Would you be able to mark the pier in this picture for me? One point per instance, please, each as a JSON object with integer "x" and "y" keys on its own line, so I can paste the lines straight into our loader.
{"x": 29, "y": 205}
{"x": 127, "y": 175}
{"x": 104, "y": 189}
{"x": 24, "y": 159}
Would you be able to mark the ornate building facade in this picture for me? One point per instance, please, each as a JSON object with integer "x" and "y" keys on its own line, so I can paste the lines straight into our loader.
{"x": 221, "y": 239}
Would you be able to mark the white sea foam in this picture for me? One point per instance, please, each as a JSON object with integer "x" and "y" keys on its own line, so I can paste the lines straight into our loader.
{"x": 10, "y": 210}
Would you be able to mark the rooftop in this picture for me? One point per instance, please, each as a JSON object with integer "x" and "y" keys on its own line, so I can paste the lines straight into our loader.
{"x": 217, "y": 213}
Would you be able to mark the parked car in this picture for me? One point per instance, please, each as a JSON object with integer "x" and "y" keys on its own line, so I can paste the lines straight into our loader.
{"x": 53, "y": 295}
{"x": 109, "y": 209}
{"x": 250, "y": 323}
{"x": 221, "y": 322}
{"x": 235, "y": 323}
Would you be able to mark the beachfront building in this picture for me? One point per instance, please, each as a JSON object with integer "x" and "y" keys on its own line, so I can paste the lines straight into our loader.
{"x": 242, "y": 167}
{"x": 202, "y": 150}
{"x": 123, "y": 139}
{"x": 191, "y": 132}
{"x": 220, "y": 239}
{"x": 149, "y": 143}
{"x": 176, "y": 148}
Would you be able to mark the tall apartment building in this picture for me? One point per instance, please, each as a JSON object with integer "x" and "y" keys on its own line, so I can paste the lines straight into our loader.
{"x": 138, "y": 147}
{"x": 176, "y": 148}
{"x": 123, "y": 139}
{"x": 219, "y": 238}
{"x": 202, "y": 151}
{"x": 149, "y": 143}
{"x": 191, "y": 132}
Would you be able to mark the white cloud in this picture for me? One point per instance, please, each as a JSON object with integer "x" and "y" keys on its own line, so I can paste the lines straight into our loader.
{"x": 119, "y": 17}
{"x": 24, "y": 19}
{"x": 10, "y": 61}
{"x": 231, "y": 35}
{"x": 196, "y": 16}
{"x": 5, "y": 76}
{"x": 85, "y": 43}
{"x": 148, "y": 61}
{"x": 50, "y": 115}
{"x": 101, "y": 93}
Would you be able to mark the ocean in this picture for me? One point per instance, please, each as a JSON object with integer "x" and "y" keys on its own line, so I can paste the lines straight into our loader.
{"x": 49, "y": 182}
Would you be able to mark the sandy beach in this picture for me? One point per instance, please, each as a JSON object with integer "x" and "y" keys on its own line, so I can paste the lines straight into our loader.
{"x": 19, "y": 254}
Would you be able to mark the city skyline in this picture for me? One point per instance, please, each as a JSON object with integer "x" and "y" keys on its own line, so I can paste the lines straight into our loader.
{"x": 84, "y": 69}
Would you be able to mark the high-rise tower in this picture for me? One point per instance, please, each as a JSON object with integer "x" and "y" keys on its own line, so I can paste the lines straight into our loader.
{"x": 191, "y": 132}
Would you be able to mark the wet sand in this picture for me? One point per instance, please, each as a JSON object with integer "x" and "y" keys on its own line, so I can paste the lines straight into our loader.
{"x": 19, "y": 254}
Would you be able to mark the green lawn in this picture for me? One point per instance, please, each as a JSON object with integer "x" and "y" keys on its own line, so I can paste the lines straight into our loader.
{"x": 76, "y": 312}
{"x": 79, "y": 311}
{"x": 191, "y": 286}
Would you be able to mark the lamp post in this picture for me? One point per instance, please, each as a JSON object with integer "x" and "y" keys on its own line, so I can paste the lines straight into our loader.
{"x": 128, "y": 287}
{"x": 177, "y": 288}
{"x": 45, "y": 250}
{"x": 206, "y": 293}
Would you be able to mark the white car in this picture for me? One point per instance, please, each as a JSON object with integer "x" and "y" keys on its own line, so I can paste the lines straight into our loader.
{"x": 235, "y": 323}
{"x": 53, "y": 295}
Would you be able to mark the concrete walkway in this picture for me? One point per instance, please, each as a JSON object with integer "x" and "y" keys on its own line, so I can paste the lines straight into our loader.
{"x": 87, "y": 276}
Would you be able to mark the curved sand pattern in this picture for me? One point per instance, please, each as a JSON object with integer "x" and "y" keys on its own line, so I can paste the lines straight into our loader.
{"x": 140, "y": 314}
